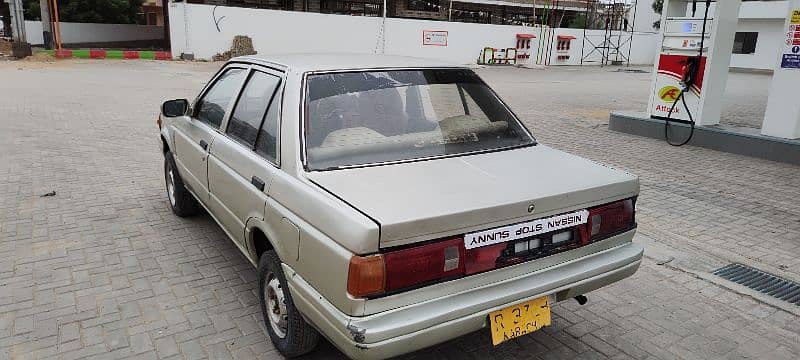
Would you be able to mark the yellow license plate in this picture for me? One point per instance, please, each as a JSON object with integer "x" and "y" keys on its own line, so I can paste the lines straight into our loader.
{"x": 520, "y": 319}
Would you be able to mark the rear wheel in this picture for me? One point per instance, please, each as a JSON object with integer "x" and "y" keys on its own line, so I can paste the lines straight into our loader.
{"x": 181, "y": 201}
{"x": 287, "y": 329}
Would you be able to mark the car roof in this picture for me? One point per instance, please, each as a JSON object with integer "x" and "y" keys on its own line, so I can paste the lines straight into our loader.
{"x": 327, "y": 62}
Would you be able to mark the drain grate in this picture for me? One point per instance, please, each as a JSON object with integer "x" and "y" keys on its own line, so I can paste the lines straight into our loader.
{"x": 637, "y": 71}
{"x": 762, "y": 282}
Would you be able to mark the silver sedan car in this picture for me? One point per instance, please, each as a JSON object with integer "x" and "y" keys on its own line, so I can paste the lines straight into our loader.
{"x": 392, "y": 203}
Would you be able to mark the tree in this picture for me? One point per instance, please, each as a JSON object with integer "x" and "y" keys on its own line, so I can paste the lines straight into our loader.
{"x": 658, "y": 7}
{"x": 581, "y": 20}
{"x": 31, "y": 10}
{"x": 91, "y": 11}
{"x": 578, "y": 22}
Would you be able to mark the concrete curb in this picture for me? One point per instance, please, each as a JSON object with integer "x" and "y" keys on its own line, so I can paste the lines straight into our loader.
{"x": 109, "y": 54}
{"x": 727, "y": 138}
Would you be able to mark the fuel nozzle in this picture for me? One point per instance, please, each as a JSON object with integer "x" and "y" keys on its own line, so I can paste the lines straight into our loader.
{"x": 690, "y": 71}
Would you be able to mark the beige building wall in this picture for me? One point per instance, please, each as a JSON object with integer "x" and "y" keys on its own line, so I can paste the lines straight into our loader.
{"x": 153, "y": 12}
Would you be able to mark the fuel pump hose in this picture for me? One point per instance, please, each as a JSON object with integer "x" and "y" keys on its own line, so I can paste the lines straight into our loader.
{"x": 688, "y": 80}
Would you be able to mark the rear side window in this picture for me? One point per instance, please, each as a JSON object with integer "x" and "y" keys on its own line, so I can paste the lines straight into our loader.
{"x": 267, "y": 143}
{"x": 251, "y": 107}
{"x": 214, "y": 103}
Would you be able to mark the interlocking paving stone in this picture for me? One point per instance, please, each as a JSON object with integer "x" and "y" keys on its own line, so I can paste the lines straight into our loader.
{"x": 104, "y": 270}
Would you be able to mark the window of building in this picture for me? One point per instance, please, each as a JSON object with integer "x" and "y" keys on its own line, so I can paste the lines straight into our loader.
{"x": 212, "y": 107}
{"x": 470, "y": 16}
{"x": 745, "y": 42}
{"x": 251, "y": 107}
{"x": 423, "y": 5}
{"x": 355, "y": 7}
{"x": 152, "y": 18}
{"x": 514, "y": 19}
{"x": 563, "y": 44}
{"x": 263, "y": 4}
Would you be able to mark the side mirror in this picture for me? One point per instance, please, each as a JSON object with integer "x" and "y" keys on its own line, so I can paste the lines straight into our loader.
{"x": 173, "y": 108}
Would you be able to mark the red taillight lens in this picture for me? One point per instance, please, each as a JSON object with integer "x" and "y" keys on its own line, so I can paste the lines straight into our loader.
{"x": 158, "y": 121}
{"x": 421, "y": 264}
{"x": 483, "y": 258}
{"x": 446, "y": 259}
{"x": 609, "y": 219}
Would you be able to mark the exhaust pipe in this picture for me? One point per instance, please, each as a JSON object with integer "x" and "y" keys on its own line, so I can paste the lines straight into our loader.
{"x": 581, "y": 299}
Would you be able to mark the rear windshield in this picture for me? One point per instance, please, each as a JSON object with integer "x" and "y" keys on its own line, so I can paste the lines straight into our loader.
{"x": 361, "y": 118}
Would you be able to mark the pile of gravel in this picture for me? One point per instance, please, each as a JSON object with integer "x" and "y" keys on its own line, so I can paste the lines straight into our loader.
{"x": 241, "y": 45}
{"x": 5, "y": 47}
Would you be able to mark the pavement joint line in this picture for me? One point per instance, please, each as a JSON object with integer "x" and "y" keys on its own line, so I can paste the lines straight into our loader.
{"x": 721, "y": 254}
{"x": 676, "y": 263}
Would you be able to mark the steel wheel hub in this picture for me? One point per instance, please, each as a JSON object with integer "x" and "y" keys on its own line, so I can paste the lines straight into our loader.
{"x": 171, "y": 186}
{"x": 276, "y": 306}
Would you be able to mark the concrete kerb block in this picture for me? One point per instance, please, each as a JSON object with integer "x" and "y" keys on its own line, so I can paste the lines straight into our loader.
{"x": 109, "y": 54}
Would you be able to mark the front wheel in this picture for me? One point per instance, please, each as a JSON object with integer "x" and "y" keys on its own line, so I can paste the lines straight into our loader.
{"x": 181, "y": 201}
{"x": 287, "y": 329}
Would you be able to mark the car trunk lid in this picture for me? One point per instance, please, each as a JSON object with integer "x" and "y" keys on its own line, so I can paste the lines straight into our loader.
{"x": 424, "y": 200}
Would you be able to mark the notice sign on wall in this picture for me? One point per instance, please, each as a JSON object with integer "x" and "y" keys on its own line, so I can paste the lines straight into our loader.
{"x": 790, "y": 57}
{"x": 790, "y": 61}
{"x": 434, "y": 37}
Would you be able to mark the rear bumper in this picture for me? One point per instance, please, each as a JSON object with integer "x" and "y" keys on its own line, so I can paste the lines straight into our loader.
{"x": 416, "y": 326}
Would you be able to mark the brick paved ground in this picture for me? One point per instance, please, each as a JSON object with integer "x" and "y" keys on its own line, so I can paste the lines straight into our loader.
{"x": 104, "y": 270}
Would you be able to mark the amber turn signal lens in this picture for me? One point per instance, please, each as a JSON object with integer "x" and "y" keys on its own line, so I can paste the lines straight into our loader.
{"x": 366, "y": 276}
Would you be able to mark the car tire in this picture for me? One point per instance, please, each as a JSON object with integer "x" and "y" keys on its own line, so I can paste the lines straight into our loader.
{"x": 180, "y": 200}
{"x": 292, "y": 336}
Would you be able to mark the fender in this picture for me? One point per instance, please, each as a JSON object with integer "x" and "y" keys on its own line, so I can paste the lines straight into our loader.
{"x": 166, "y": 138}
{"x": 283, "y": 236}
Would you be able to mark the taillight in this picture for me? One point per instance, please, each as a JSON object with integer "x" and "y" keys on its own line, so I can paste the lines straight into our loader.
{"x": 158, "y": 121}
{"x": 421, "y": 264}
{"x": 376, "y": 274}
{"x": 447, "y": 259}
{"x": 483, "y": 258}
{"x": 608, "y": 219}
{"x": 366, "y": 275}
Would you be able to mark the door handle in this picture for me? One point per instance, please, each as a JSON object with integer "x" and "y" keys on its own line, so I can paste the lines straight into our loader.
{"x": 257, "y": 182}
{"x": 204, "y": 144}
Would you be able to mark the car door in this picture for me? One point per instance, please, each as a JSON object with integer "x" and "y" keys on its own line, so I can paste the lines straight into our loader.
{"x": 195, "y": 133}
{"x": 242, "y": 162}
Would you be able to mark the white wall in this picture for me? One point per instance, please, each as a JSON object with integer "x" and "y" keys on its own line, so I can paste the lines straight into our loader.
{"x": 464, "y": 41}
{"x": 747, "y": 10}
{"x": 645, "y": 17}
{"x": 272, "y": 31}
{"x": 643, "y": 51}
{"x": 33, "y": 30}
{"x": 766, "y": 18}
{"x": 763, "y": 10}
{"x": 292, "y": 32}
{"x": 72, "y": 33}
{"x": 770, "y": 40}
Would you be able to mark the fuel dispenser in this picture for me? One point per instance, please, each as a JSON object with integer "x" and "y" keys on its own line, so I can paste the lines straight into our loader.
{"x": 681, "y": 65}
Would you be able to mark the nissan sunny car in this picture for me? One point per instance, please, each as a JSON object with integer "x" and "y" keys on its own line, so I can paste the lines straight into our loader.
{"x": 392, "y": 203}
